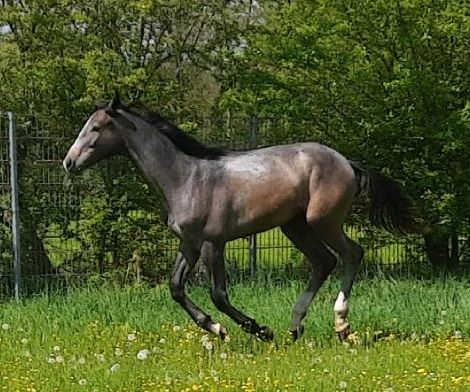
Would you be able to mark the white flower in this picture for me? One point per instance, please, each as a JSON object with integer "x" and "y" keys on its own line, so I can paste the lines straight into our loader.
{"x": 143, "y": 354}
{"x": 207, "y": 344}
{"x": 82, "y": 382}
{"x": 81, "y": 361}
{"x": 118, "y": 352}
{"x": 56, "y": 348}
{"x": 458, "y": 335}
{"x": 100, "y": 357}
{"x": 51, "y": 360}
{"x": 342, "y": 385}
{"x": 5, "y": 327}
{"x": 24, "y": 341}
{"x": 114, "y": 368}
{"x": 176, "y": 328}
{"x": 223, "y": 355}
{"x": 442, "y": 322}
{"x": 59, "y": 359}
{"x": 205, "y": 338}
{"x": 162, "y": 341}
{"x": 131, "y": 337}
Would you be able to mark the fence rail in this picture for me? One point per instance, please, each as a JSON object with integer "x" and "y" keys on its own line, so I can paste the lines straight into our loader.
{"x": 108, "y": 221}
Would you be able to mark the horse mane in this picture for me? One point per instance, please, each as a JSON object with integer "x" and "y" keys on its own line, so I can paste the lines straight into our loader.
{"x": 180, "y": 139}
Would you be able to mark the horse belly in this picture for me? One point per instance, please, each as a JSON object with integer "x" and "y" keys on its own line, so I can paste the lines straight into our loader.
{"x": 262, "y": 209}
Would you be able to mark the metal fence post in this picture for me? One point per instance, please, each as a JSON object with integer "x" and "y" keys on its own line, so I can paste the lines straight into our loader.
{"x": 253, "y": 237}
{"x": 15, "y": 227}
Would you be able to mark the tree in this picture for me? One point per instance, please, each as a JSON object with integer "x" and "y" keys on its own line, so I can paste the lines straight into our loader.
{"x": 386, "y": 82}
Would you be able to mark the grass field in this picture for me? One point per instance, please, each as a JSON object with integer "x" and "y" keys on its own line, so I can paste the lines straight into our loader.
{"x": 410, "y": 335}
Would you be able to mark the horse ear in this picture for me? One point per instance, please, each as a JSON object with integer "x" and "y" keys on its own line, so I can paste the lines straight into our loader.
{"x": 115, "y": 103}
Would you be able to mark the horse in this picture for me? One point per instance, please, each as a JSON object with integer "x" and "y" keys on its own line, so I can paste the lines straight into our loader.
{"x": 214, "y": 196}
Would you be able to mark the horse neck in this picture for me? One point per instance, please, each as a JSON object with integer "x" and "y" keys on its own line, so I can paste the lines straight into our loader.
{"x": 159, "y": 160}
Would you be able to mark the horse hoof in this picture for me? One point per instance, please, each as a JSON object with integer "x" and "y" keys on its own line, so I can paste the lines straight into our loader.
{"x": 343, "y": 335}
{"x": 218, "y": 330}
{"x": 223, "y": 333}
{"x": 297, "y": 333}
{"x": 265, "y": 333}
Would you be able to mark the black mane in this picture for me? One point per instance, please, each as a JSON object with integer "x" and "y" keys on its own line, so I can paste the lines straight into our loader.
{"x": 180, "y": 139}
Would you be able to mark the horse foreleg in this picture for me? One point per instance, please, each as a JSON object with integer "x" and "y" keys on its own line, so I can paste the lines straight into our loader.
{"x": 185, "y": 261}
{"x": 213, "y": 256}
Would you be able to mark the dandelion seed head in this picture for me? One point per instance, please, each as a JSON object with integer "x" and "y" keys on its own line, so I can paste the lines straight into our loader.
{"x": 118, "y": 352}
{"x": 51, "y": 360}
{"x": 59, "y": 359}
{"x": 162, "y": 341}
{"x": 342, "y": 385}
{"x": 5, "y": 327}
{"x": 81, "y": 361}
{"x": 223, "y": 356}
{"x": 207, "y": 345}
{"x": 24, "y": 341}
{"x": 131, "y": 337}
{"x": 56, "y": 348}
{"x": 82, "y": 382}
{"x": 114, "y": 368}
{"x": 143, "y": 354}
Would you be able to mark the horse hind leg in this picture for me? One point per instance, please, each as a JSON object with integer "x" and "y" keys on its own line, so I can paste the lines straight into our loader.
{"x": 323, "y": 262}
{"x": 351, "y": 253}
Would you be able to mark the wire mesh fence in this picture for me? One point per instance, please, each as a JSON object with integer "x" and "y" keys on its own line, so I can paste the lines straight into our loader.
{"x": 109, "y": 221}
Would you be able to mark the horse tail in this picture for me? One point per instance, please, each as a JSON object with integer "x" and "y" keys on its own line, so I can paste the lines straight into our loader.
{"x": 390, "y": 206}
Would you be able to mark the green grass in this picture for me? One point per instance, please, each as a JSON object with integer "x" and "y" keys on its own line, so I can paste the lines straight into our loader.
{"x": 410, "y": 334}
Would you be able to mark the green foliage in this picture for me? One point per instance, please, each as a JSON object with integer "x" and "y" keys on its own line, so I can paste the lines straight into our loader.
{"x": 386, "y": 82}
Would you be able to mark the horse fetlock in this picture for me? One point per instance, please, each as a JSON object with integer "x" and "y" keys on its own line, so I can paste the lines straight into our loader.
{"x": 250, "y": 326}
{"x": 265, "y": 333}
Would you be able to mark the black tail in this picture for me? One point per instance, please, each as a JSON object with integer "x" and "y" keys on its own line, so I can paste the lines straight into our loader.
{"x": 390, "y": 206}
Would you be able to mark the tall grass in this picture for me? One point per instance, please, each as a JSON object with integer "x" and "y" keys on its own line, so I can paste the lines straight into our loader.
{"x": 409, "y": 334}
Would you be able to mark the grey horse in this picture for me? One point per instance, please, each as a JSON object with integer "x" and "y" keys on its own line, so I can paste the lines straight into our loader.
{"x": 215, "y": 196}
